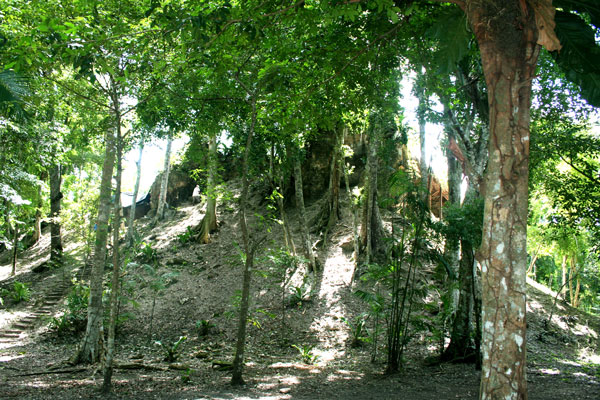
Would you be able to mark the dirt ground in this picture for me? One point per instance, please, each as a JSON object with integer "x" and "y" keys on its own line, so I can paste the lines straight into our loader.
{"x": 563, "y": 362}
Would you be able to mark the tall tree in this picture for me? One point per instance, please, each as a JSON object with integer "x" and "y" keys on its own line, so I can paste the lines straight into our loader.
{"x": 56, "y": 195}
{"x": 164, "y": 182}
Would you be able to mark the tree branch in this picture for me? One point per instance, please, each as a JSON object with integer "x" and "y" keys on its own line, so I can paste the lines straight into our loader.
{"x": 75, "y": 92}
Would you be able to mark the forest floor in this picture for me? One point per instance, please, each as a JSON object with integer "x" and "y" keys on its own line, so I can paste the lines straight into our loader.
{"x": 201, "y": 282}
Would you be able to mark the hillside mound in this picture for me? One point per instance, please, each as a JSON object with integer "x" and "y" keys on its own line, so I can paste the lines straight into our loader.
{"x": 300, "y": 341}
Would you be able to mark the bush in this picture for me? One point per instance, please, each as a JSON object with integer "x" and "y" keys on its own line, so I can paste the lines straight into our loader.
{"x": 74, "y": 318}
{"x": 20, "y": 292}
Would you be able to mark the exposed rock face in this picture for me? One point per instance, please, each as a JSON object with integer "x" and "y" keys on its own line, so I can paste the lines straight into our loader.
{"x": 142, "y": 207}
{"x": 179, "y": 189}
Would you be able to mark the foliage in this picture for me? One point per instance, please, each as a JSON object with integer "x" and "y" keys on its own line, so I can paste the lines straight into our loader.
{"x": 358, "y": 330}
{"x": 299, "y": 296}
{"x": 186, "y": 236}
{"x": 147, "y": 254}
{"x": 20, "y": 292}
{"x": 203, "y": 327}
{"x": 171, "y": 349}
{"x": 306, "y": 353}
{"x": 74, "y": 318}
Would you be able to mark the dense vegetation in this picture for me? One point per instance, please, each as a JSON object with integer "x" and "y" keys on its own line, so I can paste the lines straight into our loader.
{"x": 296, "y": 101}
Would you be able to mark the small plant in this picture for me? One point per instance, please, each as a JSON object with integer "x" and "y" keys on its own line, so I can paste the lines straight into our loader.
{"x": 203, "y": 327}
{"x": 186, "y": 376}
{"x": 299, "y": 296}
{"x": 20, "y": 292}
{"x": 306, "y": 353}
{"x": 171, "y": 349}
{"x": 75, "y": 316}
{"x": 186, "y": 236}
{"x": 358, "y": 330}
{"x": 147, "y": 253}
{"x": 3, "y": 294}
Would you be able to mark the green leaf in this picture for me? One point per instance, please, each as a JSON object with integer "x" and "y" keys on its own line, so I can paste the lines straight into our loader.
{"x": 590, "y": 7}
{"x": 453, "y": 37}
{"x": 580, "y": 56}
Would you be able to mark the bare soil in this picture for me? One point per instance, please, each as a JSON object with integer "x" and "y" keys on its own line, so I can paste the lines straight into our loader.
{"x": 563, "y": 356}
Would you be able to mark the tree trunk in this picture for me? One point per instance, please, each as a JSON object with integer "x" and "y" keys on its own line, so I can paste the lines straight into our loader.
{"x": 209, "y": 222}
{"x": 56, "y": 195}
{"x": 91, "y": 346}
{"x": 577, "y": 291}
{"x": 302, "y": 215}
{"x": 289, "y": 239}
{"x": 421, "y": 111}
{"x": 451, "y": 248}
{"x": 330, "y": 213}
{"x": 372, "y": 230}
{"x": 355, "y": 237}
{"x": 506, "y": 33}
{"x": 238, "y": 361}
{"x": 136, "y": 190}
{"x": 162, "y": 198}
{"x": 15, "y": 250}
{"x": 563, "y": 288}
{"x": 571, "y": 278}
{"x": 37, "y": 227}
{"x": 114, "y": 293}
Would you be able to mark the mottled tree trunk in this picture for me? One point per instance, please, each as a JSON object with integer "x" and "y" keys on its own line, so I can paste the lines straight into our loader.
{"x": 371, "y": 231}
{"x": 162, "y": 198}
{"x": 136, "y": 189}
{"x": 238, "y": 361}
{"x": 461, "y": 346}
{"x": 91, "y": 346}
{"x": 353, "y": 207}
{"x": 209, "y": 222}
{"x": 451, "y": 248}
{"x": 115, "y": 283}
{"x": 421, "y": 114}
{"x": 331, "y": 212}
{"x": 507, "y": 36}
{"x": 37, "y": 227}
{"x": 15, "y": 250}
{"x": 306, "y": 240}
{"x": 56, "y": 195}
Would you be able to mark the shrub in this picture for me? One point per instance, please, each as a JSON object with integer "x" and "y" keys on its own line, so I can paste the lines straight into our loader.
{"x": 20, "y": 292}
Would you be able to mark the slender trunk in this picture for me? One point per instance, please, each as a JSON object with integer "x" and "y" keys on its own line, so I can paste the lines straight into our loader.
{"x": 136, "y": 190}
{"x": 114, "y": 294}
{"x": 289, "y": 239}
{"x": 533, "y": 260}
{"x": 15, "y": 249}
{"x": 91, "y": 346}
{"x": 56, "y": 195}
{"x": 421, "y": 113}
{"x": 37, "y": 227}
{"x": 302, "y": 215}
{"x": 506, "y": 33}
{"x": 451, "y": 248}
{"x": 564, "y": 275}
{"x": 577, "y": 289}
{"x": 238, "y": 361}
{"x": 209, "y": 222}
{"x": 355, "y": 237}
{"x": 571, "y": 277}
{"x": 162, "y": 198}
{"x": 372, "y": 227}
{"x": 332, "y": 208}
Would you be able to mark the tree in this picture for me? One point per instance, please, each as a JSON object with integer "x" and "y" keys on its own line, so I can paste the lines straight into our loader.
{"x": 131, "y": 217}
{"x": 162, "y": 197}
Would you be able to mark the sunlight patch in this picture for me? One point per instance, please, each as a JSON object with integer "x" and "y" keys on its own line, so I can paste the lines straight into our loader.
{"x": 550, "y": 371}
